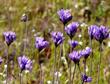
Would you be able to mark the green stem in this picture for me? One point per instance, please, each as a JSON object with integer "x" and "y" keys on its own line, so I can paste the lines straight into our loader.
{"x": 99, "y": 62}
{"x": 61, "y": 46}
{"x": 54, "y": 66}
{"x": 21, "y": 77}
{"x": 85, "y": 66}
{"x": 41, "y": 75}
{"x": 80, "y": 73}
{"x": 91, "y": 57}
{"x": 70, "y": 66}
{"x": 7, "y": 61}
{"x": 73, "y": 73}
{"x": 25, "y": 43}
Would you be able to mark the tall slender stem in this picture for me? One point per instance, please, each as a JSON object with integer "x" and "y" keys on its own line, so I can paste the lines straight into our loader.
{"x": 85, "y": 66}
{"x": 91, "y": 56}
{"x": 59, "y": 62}
{"x": 7, "y": 61}
{"x": 73, "y": 73}
{"x": 80, "y": 73}
{"x": 99, "y": 62}
{"x": 21, "y": 77}
{"x": 25, "y": 43}
{"x": 41, "y": 75}
{"x": 54, "y": 66}
{"x": 70, "y": 66}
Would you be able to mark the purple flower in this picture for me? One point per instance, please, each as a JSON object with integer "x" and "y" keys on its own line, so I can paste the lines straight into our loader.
{"x": 64, "y": 15}
{"x": 9, "y": 37}
{"x": 73, "y": 44}
{"x": 86, "y": 78}
{"x": 101, "y": 33}
{"x": 25, "y": 63}
{"x": 91, "y": 30}
{"x": 86, "y": 52}
{"x": 71, "y": 29}
{"x": 57, "y": 38}
{"x": 75, "y": 56}
{"x": 40, "y": 43}
{"x": 1, "y": 60}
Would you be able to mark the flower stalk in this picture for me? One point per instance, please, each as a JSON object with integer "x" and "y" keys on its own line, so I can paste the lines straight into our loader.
{"x": 21, "y": 77}
{"x": 91, "y": 56}
{"x": 54, "y": 67}
{"x": 73, "y": 73}
{"x": 7, "y": 67}
{"x": 100, "y": 55}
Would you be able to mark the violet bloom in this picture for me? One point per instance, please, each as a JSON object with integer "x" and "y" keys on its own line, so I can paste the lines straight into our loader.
{"x": 101, "y": 33}
{"x": 75, "y": 56}
{"x": 57, "y": 38}
{"x": 40, "y": 43}
{"x": 86, "y": 52}
{"x": 25, "y": 63}
{"x": 71, "y": 29}
{"x": 73, "y": 44}
{"x": 91, "y": 30}
{"x": 64, "y": 15}
{"x": 86, "y": 78}
{"x": 9, "y": 37}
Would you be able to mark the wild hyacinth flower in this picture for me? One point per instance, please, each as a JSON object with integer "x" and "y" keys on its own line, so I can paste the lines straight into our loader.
{"x": 73, "y": 44}
{"x": 86, "y": 78}
{"x": 91, "y": 30}
{"x": 64, "y": 15}
{"x": 86, "y": 52}
{"x": 71, "y": 29}
{"x": 9, "y": 37}
{"x": 101, "y": 33}
{"x": 57, "y": 38}
{"x": 75, "y": 56}
{"x": 25, "y": 63}
{"x": 40, "y": 43}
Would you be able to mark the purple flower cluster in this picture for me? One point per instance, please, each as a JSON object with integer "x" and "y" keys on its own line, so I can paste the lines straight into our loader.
{"x": 71, "y": 29}
{"x": 73, "y": 44}
{"x": 86, "y": 52}
{"x": 64, "y": 15}
{"x": 57, "y": 38}
{"x": 86, "y": 78}
{"x": 25, "y": 63}
{"x": 9, "y": 37}
{"x": 101, "y": 33}
{"x": 92, "y": 30}
{"x": 40, "y": 43}
{"x": 98, "y": 32}
{"x": 75, "y": 56}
